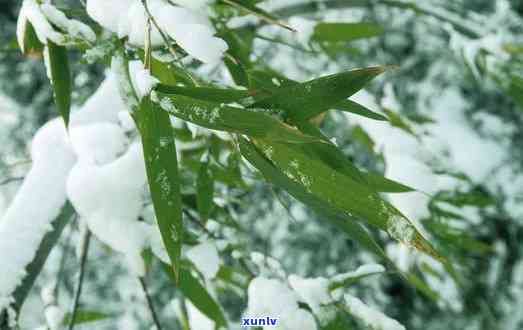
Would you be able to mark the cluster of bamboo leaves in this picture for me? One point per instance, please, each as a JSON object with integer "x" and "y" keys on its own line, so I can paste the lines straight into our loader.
{"x": 274, "y": 125}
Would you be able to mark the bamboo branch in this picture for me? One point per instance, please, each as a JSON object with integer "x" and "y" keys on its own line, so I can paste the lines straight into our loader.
{"x": 83, "y": 259}
{"x": 150, "y": 303}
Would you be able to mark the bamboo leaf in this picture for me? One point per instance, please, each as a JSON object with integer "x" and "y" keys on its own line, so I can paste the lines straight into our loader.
{"x": 343, "y": 193}
{"x": 193, "y": 290}
{"x": 358, "y": 109}
{"x": 345, "y": 32}
{"x": 230, "y": 119}
{"x": 162, "y": 172}
{"x": 45, "y": 248}
{"x": 84, "y": 316}
{"x": 210, "y": 94}
{"x": 60, "y": 78}
{"x": 342, "y": 220}
{"x": 333, "y": 157}
{"x": 316, "y": 96}
{"x": 382, "y": 184}
{"x": 205, "y": 191}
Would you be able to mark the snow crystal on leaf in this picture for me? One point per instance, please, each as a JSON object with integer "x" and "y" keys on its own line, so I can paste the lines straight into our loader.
{"x": 400, "y": 229}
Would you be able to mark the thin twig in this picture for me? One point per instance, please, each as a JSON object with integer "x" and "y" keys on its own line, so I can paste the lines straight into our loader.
{"x": 165, "y": 39}
{"x": 150, "y": 303}
{"x": 83, "y": 259}
{"x": 162, "y": 34}
{"x": 196, "y": 221}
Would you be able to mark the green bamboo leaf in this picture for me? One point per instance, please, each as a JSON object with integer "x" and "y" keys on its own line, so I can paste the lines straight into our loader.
{"x": 382, "y": 184}
{"x": 422, "y": 287}
{"x": 230, "y": 119}
{"x": 240, "y": 42}
{"x": 341, "y": 220}
{"x": 48, "y": 243}
{"x": 316, "y": 96}
{"x": 358, "y": 109}
{"x": 210, "y": 94}
{"x": 396, "y": 121}
{"x": 60, "y": 78}
{"x": 233, "y": 276}
{"x": 345, "y": 32}
{"x": 333, "y": 157}
{"x": 205, "y": 191}
{"x": 343, "y": 193}
{"x": 162, "y": 172}
{"x": 84, "y": 316}
{"x": 193, "y": 290}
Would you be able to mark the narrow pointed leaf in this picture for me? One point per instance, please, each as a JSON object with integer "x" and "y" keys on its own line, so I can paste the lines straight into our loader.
{"x": 358, "y": 109}
{"x": 342, "y": 220}
{"x": 48, "y": 243}
{"x": 345, "y": 32}
{"x": 344, "y": 193}
{"x": 230, "y": 119}
{"x": 220, "y": 95}
{"x": 333, "y": 157}
{"x": 314, "y": 97}
{"x": 383, "y": 184}
{"x": 84, "y": 316}
{"x": 58, "y": 62}
{"x": 162, "y": 172}
{"x": 204, "y": 193}
{"x": 193, "y": 290}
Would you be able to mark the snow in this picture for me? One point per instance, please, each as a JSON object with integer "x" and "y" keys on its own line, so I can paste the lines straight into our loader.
{"x": 371, "y": 317}
{"x": 32, "y": 12}
{"x": 363, "y": 270}
{"x": 273, "y": 298}
{"x": 299, "y": 319}
{"x": 98, "y": 143}
{"x": 206, "y": 259}
{"x": 73, "y": 28}
{"x": 36, "y": 204}
{"x": 109, "y": 198}
{"x": 43, "y": 193}
{"x": 43, "y": 18}
{"x": 199, "y": 41}
{"x": 54, "y": 316}
{"x": 313, "y": 291}
{"x": 145, "y": 82}
{"x": 190, "y": 28}
{"x": 270, "y": 297}
{"x": 126, "y": 121}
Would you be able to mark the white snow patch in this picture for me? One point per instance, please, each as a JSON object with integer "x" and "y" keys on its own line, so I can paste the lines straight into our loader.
{"x": 206, "y": 259}
{"x": 371, "y": 317}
